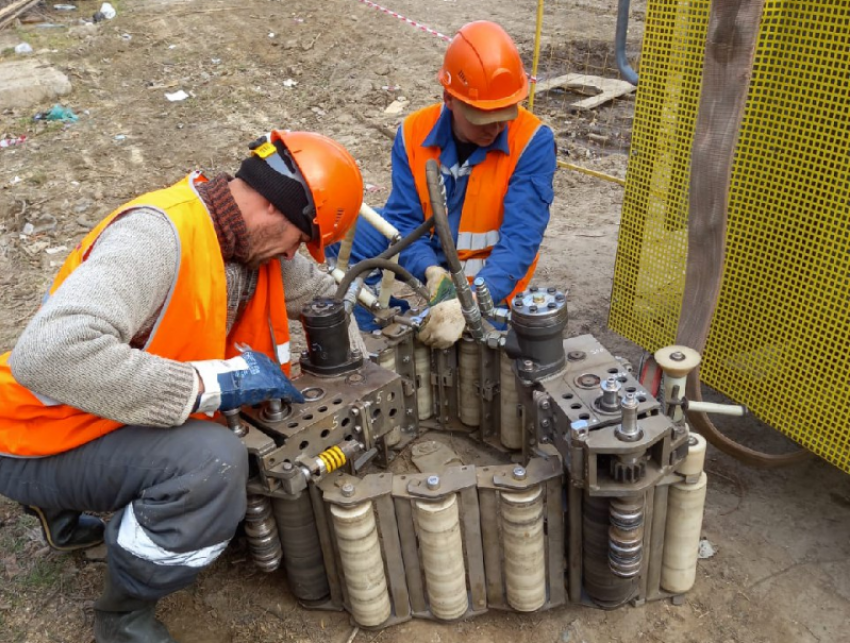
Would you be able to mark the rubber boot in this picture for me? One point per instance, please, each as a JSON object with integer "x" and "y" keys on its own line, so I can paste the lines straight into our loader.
{"x": 66, "y": 530}
{"x": 119, "y": 618}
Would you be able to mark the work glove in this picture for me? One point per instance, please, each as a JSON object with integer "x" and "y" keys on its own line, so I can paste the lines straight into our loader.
{"x": 445, "y": 323}
{"x": 249, "y": 378}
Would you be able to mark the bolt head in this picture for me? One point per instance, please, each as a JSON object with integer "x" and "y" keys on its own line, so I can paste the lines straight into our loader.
{"x": 433, "y": 482}
{"x": 677, "y": 356}
{"x": 519, "y": 473}
{"x": 347, "y": 490}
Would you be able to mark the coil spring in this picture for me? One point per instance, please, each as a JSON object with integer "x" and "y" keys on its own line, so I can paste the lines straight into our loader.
{"x": 333, "y": 458}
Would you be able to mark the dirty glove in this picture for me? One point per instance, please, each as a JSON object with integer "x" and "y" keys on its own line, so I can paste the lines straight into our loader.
{"x": 249, "y": 378}
{"x": 445, "y": 323}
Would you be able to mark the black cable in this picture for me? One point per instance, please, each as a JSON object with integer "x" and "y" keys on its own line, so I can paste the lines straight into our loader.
{"x": 368, "y": 265}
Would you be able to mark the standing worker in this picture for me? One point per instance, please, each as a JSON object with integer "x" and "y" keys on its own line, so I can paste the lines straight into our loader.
{"x": 497, "y": 161}
{"x": 174, "y": 306}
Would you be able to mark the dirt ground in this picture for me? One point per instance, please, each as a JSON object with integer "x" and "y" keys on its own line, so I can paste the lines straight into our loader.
{"x": 782, "y": 567}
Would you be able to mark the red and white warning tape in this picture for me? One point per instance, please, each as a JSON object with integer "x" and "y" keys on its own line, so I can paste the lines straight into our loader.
{"x": 412, "y": 23}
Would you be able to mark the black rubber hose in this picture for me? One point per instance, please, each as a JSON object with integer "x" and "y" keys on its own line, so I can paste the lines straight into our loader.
{"x": 367, "y": 265}
{"x": 441, "y": 217}
{"x": 399, "y": 246}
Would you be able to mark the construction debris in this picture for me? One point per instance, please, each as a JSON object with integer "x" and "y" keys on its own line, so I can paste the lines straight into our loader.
{"x": 601, "y": 90}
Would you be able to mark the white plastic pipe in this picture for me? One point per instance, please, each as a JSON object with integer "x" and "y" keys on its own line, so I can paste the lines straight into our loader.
{"x": 345, "y": 248}
{"x": 387, "y": 281}
{"x": 366, "y": 298}
{"x": 378, "y": 222}
{"x": 734, "y": 410}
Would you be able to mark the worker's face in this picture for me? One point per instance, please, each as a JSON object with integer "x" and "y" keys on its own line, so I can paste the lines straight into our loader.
{"x": 271, "y": 235}
{"x": 467, "y": 132}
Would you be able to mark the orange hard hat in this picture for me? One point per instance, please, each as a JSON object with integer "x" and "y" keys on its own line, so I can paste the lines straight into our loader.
{"x": 482, "y": 69}
{"x": 333, "y": 181}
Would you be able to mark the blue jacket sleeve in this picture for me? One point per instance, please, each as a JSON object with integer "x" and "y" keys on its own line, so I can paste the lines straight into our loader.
{"x": 404, "y": 210}
{"x": 527, "y": 202}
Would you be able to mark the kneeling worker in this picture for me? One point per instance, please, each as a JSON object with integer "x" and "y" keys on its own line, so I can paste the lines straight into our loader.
{"x": 497, "y": 160}
{"x": 174, "y": 306}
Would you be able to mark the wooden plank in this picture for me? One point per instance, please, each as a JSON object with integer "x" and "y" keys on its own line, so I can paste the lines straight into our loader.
{"x": 601, "y": 90}
{"x": 12, "y": 11}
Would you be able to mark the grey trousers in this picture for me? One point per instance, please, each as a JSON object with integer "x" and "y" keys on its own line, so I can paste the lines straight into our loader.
{"x": 178, "y": 493}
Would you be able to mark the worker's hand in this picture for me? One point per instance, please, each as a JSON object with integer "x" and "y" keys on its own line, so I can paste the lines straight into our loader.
{"x": 249, "y": 378}
{"x": 445, "y": 323}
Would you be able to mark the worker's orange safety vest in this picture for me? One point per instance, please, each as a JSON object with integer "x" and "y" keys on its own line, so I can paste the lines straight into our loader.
{"x": 483, "y": 205}
{"x": 192, "y": 325}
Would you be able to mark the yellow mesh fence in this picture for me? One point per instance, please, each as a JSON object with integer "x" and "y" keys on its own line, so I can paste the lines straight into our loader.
{"x": 780, "y": 338}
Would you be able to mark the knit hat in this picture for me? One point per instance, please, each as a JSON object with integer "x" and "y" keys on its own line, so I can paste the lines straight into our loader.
{"x": 270, "y": 171}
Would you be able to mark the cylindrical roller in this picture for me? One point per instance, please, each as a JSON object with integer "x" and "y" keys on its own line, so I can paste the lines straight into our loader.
{"x": 386, "y": 359}
{"x": 302, "y": 553}
{"x": 692, "y": 465}
{"x": 469, "y": 365}
{"x": 442, "y": 557}
{"x": 604, "y": 587}
{"x": 681, "y": 539}
{"x": 625, "y": 536}
{"x": 261, "y": 531}
{"x": 511, "y": 428}
{"x": 524, "y": 549}
{"x": 362, "y": 564}
{"x": 424, "y": 398}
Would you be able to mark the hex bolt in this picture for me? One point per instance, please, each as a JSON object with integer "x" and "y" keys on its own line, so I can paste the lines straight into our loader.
{"x": 405, "y": 359}
{"x": 544, "y": 423}
{"x": 527, "y": 365}
{"x": 347, "y": 490}
{"x": 433, "y": 482}
{"x": 519, "y": 473}
{"x": 544, "y": 405}
{"x": 286, "y": 466}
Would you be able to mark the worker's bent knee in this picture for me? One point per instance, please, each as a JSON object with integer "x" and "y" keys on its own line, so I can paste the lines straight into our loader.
{"x": 221, "y": 461}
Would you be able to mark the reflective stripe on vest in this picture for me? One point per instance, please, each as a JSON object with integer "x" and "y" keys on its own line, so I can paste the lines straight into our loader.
{"x": 483, "y": 206}
{"x": 191, "y": 325}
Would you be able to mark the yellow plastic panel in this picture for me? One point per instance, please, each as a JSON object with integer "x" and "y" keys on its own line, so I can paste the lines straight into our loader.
{"x": 780, "y": 338}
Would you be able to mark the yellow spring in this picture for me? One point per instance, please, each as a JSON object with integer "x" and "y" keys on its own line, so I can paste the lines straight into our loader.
{"x": 333, "y": 458}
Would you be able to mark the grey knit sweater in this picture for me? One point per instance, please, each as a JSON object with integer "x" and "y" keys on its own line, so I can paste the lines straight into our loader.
{"x": 82, "y": 348}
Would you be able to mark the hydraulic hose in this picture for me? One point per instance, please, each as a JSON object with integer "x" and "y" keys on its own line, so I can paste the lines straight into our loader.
{"x": 368, "y": 265}
{"x": 399, "y": 246}
{"x": 437, "y": 194}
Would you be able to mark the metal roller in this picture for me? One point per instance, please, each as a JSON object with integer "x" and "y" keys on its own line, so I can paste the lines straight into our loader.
{"x": 469, "y": 365}
{"x": 387, "y": 360}
{"x": 604, "y": 587}
{"x": 442, "y": 557}
{"x": 362, "y": 564}
{"x": 302, "y": 553}
{"x": 681, "y": 542}
{"x": 625, "y": 536}
{"x": 511, "y": 428}
{"x": 261, "y": 531}
{"x": 524, "y": 549}
{"x": 424, "y": 397}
